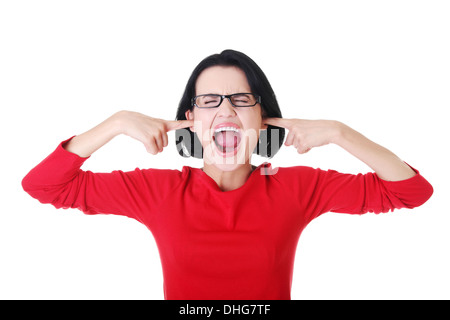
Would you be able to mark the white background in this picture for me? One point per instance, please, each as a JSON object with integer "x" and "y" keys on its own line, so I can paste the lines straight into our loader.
{"x": 381, "y": 67}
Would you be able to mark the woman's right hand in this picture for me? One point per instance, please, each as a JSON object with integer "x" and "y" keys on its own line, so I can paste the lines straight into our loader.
{"x": 152, "y": 132}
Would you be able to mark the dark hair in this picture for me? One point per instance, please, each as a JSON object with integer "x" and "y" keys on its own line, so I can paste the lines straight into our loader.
{"x": 270, "y": 140}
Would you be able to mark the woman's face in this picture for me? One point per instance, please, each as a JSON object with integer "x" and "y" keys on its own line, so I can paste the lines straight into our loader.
{"x": 228, "y": 134}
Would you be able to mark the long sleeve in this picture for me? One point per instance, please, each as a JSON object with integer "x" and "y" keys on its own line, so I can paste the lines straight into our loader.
{"x": 58, "y": 180}
{"x": 320, "y": 191}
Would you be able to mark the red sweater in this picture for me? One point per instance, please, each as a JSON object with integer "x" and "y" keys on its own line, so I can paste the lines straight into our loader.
{"x": 238, "y": 244}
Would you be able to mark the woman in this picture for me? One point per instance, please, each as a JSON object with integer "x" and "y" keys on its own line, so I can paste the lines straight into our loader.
{"x": 228, "y": 230}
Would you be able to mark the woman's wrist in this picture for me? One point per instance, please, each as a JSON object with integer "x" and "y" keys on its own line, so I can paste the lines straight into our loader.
{"x": 338, "y": 132}
{"x": 116, "y": 124}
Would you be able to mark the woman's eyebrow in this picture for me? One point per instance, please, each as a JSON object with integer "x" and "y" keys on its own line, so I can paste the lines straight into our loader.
{"x": 219, "y": 94}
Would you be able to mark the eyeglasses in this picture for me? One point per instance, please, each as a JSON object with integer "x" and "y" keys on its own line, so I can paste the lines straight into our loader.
{"x": 237, "y": 100}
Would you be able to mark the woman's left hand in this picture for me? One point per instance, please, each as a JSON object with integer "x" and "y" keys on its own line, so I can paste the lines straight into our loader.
{"x": 306, "y": 134}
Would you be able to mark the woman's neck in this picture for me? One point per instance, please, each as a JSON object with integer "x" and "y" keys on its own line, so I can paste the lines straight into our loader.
{"x": 229, "y": 180}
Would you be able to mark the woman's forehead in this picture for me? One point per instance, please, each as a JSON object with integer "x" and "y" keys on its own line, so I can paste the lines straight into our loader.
{"x": 222, "y": 80}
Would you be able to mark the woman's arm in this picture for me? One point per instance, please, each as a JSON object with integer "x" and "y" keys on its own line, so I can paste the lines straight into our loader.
{"x": 385, "y": 163}
{"x": 150, "y": 131}
{"x": 59, "y": 180}
{"x": 307, "y": 134}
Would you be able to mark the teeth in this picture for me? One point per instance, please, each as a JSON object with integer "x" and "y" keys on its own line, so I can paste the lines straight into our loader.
{"x": 226, "y": 129}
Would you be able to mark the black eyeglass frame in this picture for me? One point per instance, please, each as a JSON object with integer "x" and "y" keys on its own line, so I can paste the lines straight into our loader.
{"x": 228, "y": 96}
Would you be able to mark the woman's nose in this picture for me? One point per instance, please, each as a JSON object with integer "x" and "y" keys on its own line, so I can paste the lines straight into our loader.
{"x": 226, "y": 109}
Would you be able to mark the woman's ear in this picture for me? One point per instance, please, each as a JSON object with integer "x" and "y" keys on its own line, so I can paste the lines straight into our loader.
{"x": 263, "y": 125}
{"x": 263, "y": 116}
{"x": 190, "y": 116}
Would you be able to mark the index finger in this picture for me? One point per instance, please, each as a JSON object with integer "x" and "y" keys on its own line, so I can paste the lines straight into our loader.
{"x": 179, "y": 124}
{"x": 277, "y": 122}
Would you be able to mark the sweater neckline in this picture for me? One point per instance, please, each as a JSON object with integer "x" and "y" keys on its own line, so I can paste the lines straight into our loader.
{"x": 210, "y": 181}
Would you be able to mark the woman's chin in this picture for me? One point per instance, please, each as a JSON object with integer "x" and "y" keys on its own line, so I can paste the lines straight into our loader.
{"x": 226, "y": 161}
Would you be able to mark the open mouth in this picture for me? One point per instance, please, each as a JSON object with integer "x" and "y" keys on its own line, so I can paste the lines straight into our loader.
{"x": 227, "y": 138}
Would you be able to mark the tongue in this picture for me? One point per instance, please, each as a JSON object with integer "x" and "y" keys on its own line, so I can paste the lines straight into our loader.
{"x": 228, "y": 139}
